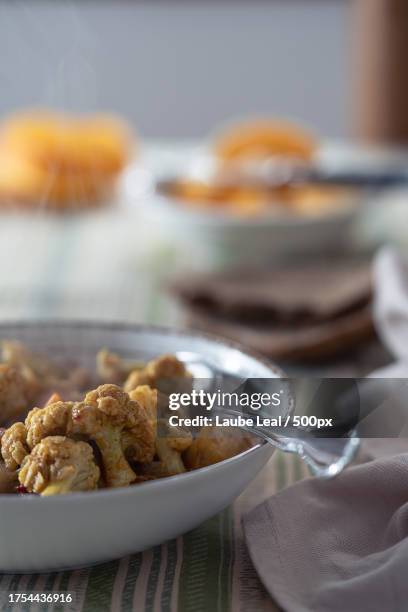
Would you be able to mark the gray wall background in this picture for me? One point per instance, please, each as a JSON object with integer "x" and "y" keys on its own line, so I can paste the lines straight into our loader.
{"x": 177, "y": 68}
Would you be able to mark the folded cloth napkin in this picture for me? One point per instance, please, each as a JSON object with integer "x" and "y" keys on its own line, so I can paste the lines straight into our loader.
{"x": 342, "y": 545}
{"x": 299, "y": 312}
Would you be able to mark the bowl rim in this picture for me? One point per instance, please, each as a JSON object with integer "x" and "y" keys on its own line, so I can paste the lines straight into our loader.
{"x": 135, "y": 327}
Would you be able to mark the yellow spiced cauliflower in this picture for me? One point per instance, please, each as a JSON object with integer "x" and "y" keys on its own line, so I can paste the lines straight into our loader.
{"x": 147, "y": 398}
{"x": 58, "y": 465}
{"x": 170, "y": 441}
{"x": 112, "y": 368}
{"x": 41, "y": 374}
{"x": 13, "y": 399}
{"x": 118, "y": 426}
{"x": 112, "y": 436}
{"x": 212, "y": 445}
{"x": 52, "y": 420}
{"x": 166, "y": 373}
{"x": 14, "y": 447}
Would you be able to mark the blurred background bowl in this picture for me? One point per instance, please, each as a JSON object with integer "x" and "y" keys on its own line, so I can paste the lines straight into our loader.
{"x": 220, "y": 236}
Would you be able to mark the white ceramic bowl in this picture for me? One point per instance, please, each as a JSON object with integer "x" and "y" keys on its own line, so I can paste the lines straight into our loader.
{"x": 219, "y": 239}
{"x": 39, "y": 534}
{"x": 226, "y": 240}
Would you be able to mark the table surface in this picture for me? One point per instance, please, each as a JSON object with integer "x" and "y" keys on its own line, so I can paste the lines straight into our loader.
{"x": 100, "y": 266}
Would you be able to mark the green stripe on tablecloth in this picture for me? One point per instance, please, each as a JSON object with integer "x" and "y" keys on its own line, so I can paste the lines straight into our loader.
{"x": 100, "y": 587}
{"x": 48, "y": 587}
{"x": 12, "y": 588}
{"x": 64, "y": 581}
{"x": 204, "y": 580}
{"x": 153, "y": 578}
{"x": 31, "y": 585}
{"x": 15, "y": 581}
{"x": 135, "y": 563}
{"x": 32, "y": 582}
{"x": 169, "y": 576}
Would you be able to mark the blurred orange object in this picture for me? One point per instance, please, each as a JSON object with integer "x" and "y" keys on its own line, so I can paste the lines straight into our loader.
{"x": 61, "y": 161}
{"x": 20, "y": 180}
{"x": 240, "y": 201}
{"x": 260, "y": 138}
{"x": 24, "y": 184}
{"x": 312, "y": 200}
{"x": 293, "y": 200}
{"x": 255, "y": 140}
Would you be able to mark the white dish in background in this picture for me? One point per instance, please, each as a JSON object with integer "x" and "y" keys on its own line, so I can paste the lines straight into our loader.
{"x": 221, "y": 239}
{"x": 39, "y": 534}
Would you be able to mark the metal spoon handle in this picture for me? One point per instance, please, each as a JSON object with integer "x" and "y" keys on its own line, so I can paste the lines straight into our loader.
{"x": 326, "y": 457}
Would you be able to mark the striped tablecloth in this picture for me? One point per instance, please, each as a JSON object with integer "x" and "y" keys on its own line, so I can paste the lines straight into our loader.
{"x": 98, "y": 266}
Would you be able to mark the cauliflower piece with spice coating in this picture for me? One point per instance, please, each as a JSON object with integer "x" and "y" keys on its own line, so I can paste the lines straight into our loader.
{"x": 155, "y": 403}
{"x": 53, "y": 420}
{"x": 14, "y": 447}
{"x": 212, "y": 445}
{"x": 112, "y": 368}
{"x": 171, "y": 442}
{"x": 117, "y": 425}
{"x": 147, "y": 398}
{"x": 166, "y": 373}
{"x": 40, "y": 373}
{"x": 13, "y": 399}
{"x": 58, "y": 465}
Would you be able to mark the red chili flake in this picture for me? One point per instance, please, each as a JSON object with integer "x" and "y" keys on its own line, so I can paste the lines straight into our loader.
{"x": 21, "y": 489}
{"x": 76, "y": 417}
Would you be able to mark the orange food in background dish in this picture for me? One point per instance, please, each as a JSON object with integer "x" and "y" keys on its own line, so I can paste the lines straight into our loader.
{"x": 260, "y": 138}
{"x": 313, "y": 200}
{"x": 61, "y": 161}
{"x": 252, "y": 141}
{"x": 240, "y": 201}
{"x": 293, "y": 200}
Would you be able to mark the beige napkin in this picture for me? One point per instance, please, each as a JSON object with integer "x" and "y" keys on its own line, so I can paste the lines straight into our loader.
{"x": 342, "y": 545}
{"x": 306, "y": 311}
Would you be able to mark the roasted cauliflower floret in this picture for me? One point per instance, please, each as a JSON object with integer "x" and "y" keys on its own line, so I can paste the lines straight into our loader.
{"x": 166, "y": 373}
{"x": 14, "y": 447}
{"x": 36, "y": 370}
{"x": 53, "y": 420}
{"x": 40, "y": 374}
{"x": 117, "y": 425}
{"x": 112, "y": 368}
{"x": 58, "y": 465}
{"x": 212, "y": 445}
{"x": 171, "y": 442}
{"x": 18, "y": 355}
{"x": 147, "y": 398}
{"x": 13, "y": 398}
